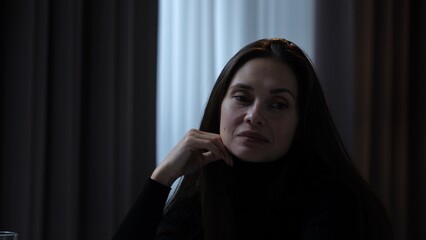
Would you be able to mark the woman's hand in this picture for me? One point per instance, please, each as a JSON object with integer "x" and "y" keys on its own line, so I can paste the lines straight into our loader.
{"x": 193, "y": 152}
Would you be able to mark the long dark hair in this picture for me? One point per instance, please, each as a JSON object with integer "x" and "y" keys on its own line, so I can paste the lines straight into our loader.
{"x": 317, "y": 140}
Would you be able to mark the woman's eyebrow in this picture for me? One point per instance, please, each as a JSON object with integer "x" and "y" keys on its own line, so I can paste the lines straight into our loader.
{"x": 282, "y": 90}
{"x": 242, "y": 86}
{"x": 272, "y": 91}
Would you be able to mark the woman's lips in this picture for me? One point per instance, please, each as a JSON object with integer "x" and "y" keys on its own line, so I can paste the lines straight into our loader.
{"x": 253, "y": 137}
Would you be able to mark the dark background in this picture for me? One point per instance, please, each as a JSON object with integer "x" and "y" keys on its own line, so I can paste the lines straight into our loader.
{"x": 78, "y": 83}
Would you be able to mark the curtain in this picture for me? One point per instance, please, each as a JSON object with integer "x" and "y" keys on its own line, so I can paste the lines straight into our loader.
{"x": 334, "y": 51}
{"x": 370, "y": 56}
{"x": 197, "y": 38}
{"x": 390, "y": 108}
{"x": 78, "y": 82}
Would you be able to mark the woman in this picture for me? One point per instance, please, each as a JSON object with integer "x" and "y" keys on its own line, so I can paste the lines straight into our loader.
{"x": 266, "y": 163}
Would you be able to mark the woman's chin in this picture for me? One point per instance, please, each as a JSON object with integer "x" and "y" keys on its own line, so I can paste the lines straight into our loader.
{"x": 250, "y": 157}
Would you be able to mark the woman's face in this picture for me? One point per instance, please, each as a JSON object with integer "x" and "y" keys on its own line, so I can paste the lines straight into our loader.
{"x": 259, "y": 114}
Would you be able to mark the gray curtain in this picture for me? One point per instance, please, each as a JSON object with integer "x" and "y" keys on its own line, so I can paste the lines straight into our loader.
{"x": 371, "y": 57}
{"x": 334, "y": 52}
{"x": 77, "y": 114}
{"x": 391, "y": 113}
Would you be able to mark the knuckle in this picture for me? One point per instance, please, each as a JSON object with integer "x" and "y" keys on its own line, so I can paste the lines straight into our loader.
{"x": 192, "y": 132}
{"x": 217, "y": 138}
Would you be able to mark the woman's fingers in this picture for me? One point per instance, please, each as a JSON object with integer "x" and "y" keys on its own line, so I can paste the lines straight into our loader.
{"x": 209, "y": 157}
{"x": 194, "y": 151}
{"x": 209, "y": 142}
{"x": 217, "y": 141}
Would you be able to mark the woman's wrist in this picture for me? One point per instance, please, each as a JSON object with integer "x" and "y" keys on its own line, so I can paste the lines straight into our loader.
{"x": 162, "y": 176}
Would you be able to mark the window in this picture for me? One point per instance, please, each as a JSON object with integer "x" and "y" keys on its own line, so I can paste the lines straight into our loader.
{"x": 197, "y": 38}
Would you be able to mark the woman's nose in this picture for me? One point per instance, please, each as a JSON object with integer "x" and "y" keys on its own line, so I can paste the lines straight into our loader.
{"x": 255, "y": 116}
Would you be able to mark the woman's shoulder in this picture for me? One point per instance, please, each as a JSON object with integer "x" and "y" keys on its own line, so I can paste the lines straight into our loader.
{"x": 332, "y": 193}
{"x": 346, "y": 204}
{"x": 330, "y": 206}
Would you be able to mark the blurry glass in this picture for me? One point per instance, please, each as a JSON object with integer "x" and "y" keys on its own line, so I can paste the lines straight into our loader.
{"x": 6, "y": 235}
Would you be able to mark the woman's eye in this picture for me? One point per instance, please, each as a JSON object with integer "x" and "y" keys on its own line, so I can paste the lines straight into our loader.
{"x": 241, "y": 98}
{"x": 278, "y": 105}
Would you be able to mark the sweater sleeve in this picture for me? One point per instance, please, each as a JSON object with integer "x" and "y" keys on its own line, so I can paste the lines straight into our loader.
{"x": 142, "y": 220}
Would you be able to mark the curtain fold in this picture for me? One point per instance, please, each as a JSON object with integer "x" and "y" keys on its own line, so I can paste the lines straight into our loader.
{"x": 78, "y": 113}
{"x": 334, "y": 51}
{"x": 390, "y": 61}
{"x": 371, "y": 58}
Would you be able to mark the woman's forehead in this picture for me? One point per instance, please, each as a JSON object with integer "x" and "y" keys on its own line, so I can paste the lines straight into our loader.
{"x": 264, "y": 73}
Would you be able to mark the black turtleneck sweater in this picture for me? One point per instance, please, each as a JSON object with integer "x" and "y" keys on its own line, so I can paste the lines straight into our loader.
{"x": 252, "y": 196}
{"x": 324, "y": 210}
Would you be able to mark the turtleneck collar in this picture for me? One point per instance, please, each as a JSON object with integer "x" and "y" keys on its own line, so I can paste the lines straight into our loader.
{"x": 260, "y": 167}
{"x": 257, "y": 174}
